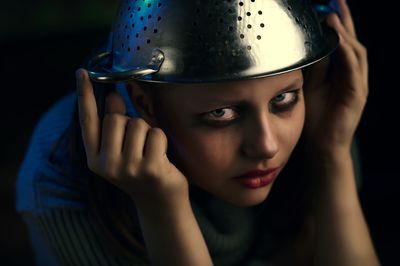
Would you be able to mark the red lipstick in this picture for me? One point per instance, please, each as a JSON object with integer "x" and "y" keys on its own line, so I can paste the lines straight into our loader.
{"x": 258, "y": 178}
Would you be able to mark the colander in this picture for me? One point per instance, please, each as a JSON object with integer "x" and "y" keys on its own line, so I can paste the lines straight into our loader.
{"x": 195, "y": 41}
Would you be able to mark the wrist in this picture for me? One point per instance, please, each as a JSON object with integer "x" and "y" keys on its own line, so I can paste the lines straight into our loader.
{"x": 164, "y": 207}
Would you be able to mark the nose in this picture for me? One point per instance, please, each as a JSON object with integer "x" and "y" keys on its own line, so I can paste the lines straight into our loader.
{"x": 260, "y": 140}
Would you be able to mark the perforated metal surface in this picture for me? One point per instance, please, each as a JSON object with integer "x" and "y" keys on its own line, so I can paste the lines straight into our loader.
{"x": 214, "y": 40}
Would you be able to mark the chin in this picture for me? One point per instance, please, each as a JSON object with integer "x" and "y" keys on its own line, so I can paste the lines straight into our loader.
{"x": 249, "y": 198}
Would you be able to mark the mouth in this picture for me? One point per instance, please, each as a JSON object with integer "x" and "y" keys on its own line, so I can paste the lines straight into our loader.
{"x": 258, "y": 178}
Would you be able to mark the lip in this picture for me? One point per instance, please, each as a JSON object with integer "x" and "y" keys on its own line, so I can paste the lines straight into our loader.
{"x": 258, "y": 178}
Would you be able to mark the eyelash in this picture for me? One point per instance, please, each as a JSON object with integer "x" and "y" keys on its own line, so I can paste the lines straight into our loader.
{"x": 287, "y": 106}
{"x": 209, "y": 118}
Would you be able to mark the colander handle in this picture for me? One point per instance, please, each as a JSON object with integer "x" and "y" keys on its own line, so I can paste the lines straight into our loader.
{"x": 98, "y": 71}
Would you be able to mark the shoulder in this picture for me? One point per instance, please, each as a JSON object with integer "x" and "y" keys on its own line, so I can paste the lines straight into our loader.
{"x": 40, "y": 184}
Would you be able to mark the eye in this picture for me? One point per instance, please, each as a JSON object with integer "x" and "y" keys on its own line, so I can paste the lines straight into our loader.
{"x": 284, "y": 101}
{"x": 220, "y": 115}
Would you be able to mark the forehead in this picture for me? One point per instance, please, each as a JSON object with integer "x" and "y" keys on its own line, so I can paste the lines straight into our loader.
{"x": 231, "y": 89}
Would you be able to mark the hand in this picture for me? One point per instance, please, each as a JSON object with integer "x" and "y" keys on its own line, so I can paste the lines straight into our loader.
{"x": 127, "y": 151}
{"x": 336, "y": 89}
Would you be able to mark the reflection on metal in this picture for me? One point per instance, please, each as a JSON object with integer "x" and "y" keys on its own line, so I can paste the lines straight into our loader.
{"x": 213, "y": 40}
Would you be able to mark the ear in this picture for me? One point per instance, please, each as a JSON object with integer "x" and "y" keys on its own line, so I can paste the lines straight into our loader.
{"x": 143, "y": 101}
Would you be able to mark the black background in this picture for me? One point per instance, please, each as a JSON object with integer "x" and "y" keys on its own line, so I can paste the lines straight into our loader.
{"x": 37, "y": 68}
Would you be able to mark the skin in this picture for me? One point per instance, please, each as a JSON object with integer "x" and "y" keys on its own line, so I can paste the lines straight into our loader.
{"x": 132, "y": 154}
{"x": 250, "y": 132}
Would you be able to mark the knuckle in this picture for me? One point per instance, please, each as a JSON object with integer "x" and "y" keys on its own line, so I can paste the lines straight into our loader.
{"x": 157, "y": 133}
{"x": 131, "y": 170}
{"x": 364, "y": 51}
{"x": 139, "y": 123}
{"x": 84, "y": 119}
{"x": 114, "y": 118}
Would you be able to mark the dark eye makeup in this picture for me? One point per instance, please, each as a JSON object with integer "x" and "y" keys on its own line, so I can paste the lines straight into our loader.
{"x": 224, "y": 116}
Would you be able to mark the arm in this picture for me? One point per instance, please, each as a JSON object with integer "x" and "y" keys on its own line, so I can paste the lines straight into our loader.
{"x": 131, "y": 155}
{"x": 336, "y": 94}
{"x": 173, "y": 236}
{"x": 70, "y": 237}
{"x": 341, "y": 232}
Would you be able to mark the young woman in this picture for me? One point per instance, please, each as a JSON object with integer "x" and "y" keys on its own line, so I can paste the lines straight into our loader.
{"x": 198, "y": 173}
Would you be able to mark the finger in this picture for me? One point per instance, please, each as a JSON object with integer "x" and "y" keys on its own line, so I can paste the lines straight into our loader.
{"x": 347, "y": 17}
{"x": 113, "y": 133}
{"x": 115, "y": 104}
{"x": 135, "y": 139}
{"x": 359, "y": 50}
{"x": 156, "y": 145}
{"x": 88, "y": 116}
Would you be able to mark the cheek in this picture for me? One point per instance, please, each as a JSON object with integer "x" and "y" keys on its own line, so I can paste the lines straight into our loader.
{"x": 290, "y": 131}
{"x": 205, "y": 156}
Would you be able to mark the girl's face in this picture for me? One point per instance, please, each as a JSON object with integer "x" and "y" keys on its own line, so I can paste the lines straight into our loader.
{"x": 221, "y": 131}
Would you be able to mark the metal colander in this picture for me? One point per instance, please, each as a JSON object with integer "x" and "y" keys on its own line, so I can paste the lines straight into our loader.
{"x": 191, "y": 41}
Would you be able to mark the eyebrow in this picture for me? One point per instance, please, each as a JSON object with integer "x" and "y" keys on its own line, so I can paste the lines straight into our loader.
{"x": 244, "y": 102}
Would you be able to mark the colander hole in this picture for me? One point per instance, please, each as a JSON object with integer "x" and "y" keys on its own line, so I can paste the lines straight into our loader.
{"x": 297, "y": 20}
{"x": 127, "y": 36}
{"x": 144, "y": 28}
{"x": 123, "y": 45}
{"x": 149, "y": 5}
{"x": 126, "y": 26}
{"x": 141, "y": 18}
{"x": 139, "y": 8}
{"x": 149, "y": 16}
{"x": 218, "y": 33}
{"x": 249, "y": 47}
{"x": 197, "y": 10}
{"x": 241, "y": 36}
{"x": 195, "y": 23}
{"x": 258, "y": 37}
{"x": 262, "y": 25}
{"x": 253, "y": 1}
{"x": 129, "y": 8}
{"x": 138, "y": 48}
{"x": 248, "y": 26}
{"x": 230, "y": 10}
{"x": 260, "y": 12}
{"x": 131, "y": 16}
{"x": 159, "y": 4}
{"x": 248, "y": 14}
{"x": 240, "y": 18}
{"x": 230, "y": 28}
{"x": 289, "y": 8}
{"x": 241, "y": 4}
{"x": 159, "y": 18}
{"x": 155, "y": 31}
{"x": 209, "y": 15}
{"x": 148, "y": 40}
{"x": 137, "y": 35}
{"x": 133, "y": 25}
{"x": 221, "y": 20}
{"x": 129, "y": 49}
